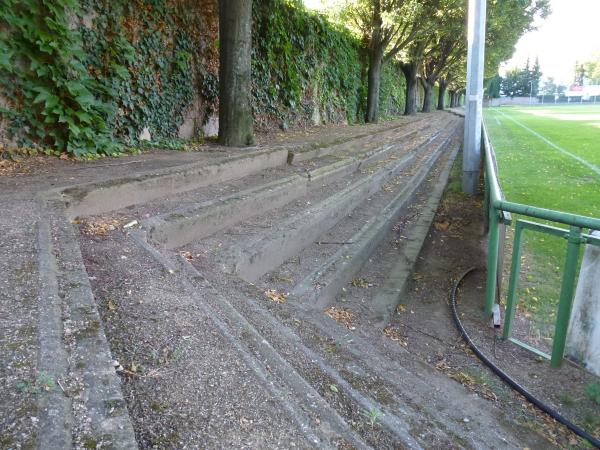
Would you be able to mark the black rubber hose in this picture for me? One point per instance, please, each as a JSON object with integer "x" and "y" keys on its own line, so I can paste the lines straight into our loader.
{"x": 506, "y": 378}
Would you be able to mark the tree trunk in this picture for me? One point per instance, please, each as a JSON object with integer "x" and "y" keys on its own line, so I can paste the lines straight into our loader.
{"x": 374, "y": 80}
{"x": 427, "y": 96}
{"x": 236, "y": 126}
{"x": 442, "y": 95}
{"x": 410, "y": 73}
{"x": 452, "y": 99}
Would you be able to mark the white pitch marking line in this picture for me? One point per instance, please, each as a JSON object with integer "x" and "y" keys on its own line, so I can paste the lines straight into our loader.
{"x": 552, "y": 144}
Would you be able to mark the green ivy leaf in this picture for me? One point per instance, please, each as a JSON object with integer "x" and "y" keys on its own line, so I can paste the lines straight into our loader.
{"x": 121, "y": 71}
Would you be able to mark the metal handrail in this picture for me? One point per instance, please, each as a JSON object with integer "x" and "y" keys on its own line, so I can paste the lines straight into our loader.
{"x": 497, "y": 208}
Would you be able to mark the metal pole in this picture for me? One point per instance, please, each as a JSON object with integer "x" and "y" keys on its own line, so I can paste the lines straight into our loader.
{"x": 566, "y": 296}
{"x": 492, "y": 262}
{"x": 513, "y": 282}
{"x": 474, "y": 96}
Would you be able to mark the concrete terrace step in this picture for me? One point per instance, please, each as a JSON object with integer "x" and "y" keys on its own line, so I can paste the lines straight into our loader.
{"x": 179, "y": 227}
{"x": 89, "y": 406}
{"x": 358, "y": 144}
{"x": 369, "y": 370}
{"x": 395, "y": 427}
{"x": 289, "y": 359}
{"x": 95, "y": 198}
{"x": 324, "y": 283}
{"x": 258, "y": 255}
{"x": 319, "y": 422}
{"x": 99, "y": 197}
{"x": 370, "y": 377}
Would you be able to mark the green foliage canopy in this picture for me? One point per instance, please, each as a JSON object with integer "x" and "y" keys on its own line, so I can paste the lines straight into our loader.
{"x": 507, "y": 21}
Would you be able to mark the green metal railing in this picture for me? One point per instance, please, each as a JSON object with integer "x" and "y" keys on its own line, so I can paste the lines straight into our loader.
{"x": 499, "y": 214}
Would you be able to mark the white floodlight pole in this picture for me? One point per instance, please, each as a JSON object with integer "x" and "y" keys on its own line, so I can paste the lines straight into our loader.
{"x": 530, "y": 91}
{"x": 474, "y": 96}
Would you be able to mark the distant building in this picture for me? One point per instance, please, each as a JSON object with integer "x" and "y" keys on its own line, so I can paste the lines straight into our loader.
{"x": 586, "y": 92}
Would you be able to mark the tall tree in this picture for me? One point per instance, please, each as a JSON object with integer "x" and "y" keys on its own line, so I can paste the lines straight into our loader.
{"x": 493, "y": 86}
{"x": 410, "y": 67}
{"x": 592, "y": 69}
{"x": 387, "y": 27}
{"x": 549, "y": 87}
{"x": 535, "y": 76}
{"x": 507, "y": 21}
{"x": 579, "y": 74}
{"x": 452, "y": 79}
{"x": 522, "y": 82}
{"x": 446, "y": 45}
{"x": 236, "y": 126}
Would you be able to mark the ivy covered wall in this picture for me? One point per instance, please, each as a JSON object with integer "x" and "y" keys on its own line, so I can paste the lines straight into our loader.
{"x": 158, "y": 59}
{"x": 308, "y": 70}
{"x": 90, "y": 76}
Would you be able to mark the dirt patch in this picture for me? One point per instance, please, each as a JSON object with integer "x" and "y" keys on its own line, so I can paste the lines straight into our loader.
{"x": 184, "y": 382}
{"x": 423, "y": 325}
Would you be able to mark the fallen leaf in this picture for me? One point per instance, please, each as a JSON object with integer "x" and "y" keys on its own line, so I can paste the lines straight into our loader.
{"x": 111, "y": 304}
{"x": 130, "y": 224}
{"x": 342, "y": 315}
{"x": 418, "y": 276}
{"x": 187, "y": 255}
{"x": 274, "y": 295}
{"x": 441, "y": 225}
{"x": 395, "y": 335}
{"x": 97, "y": 226}
{"x": 442, "y": 365}
{"x": 361, "y": 283}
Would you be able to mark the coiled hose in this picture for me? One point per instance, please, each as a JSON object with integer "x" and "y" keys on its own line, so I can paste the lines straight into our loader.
{"x": 506, "y": 378}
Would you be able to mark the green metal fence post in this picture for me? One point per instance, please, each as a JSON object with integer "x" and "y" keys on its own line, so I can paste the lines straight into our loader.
{"x": 492, "y": 262}
{"x": 566, "y": 296}
{"x": 486, "y": 201}
{"x": 513, "y": 282}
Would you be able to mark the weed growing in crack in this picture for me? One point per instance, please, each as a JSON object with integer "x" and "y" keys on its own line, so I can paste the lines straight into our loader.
{"x": 44, "y": 383}
{"x": 592, "y": 390}
{"x": 372, "y": 417}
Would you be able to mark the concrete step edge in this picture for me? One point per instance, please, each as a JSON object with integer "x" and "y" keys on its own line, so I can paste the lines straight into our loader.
{"x": 394, "y": 424}
{"x": 339, "y": 269}
{"x": 286, "y": 385}
{"x": 318, "y": 150}
{"x": 266, "y": 251}
{"x": 86, "y": 402}
{"x": 110, "y": 195}
{"x": 397, "y": 277}
{"x": 182, "y": 226}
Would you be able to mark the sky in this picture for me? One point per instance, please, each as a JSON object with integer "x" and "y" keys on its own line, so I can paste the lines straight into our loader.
{"x": 571, "y": 33}
{"x": 316, "y": 4}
